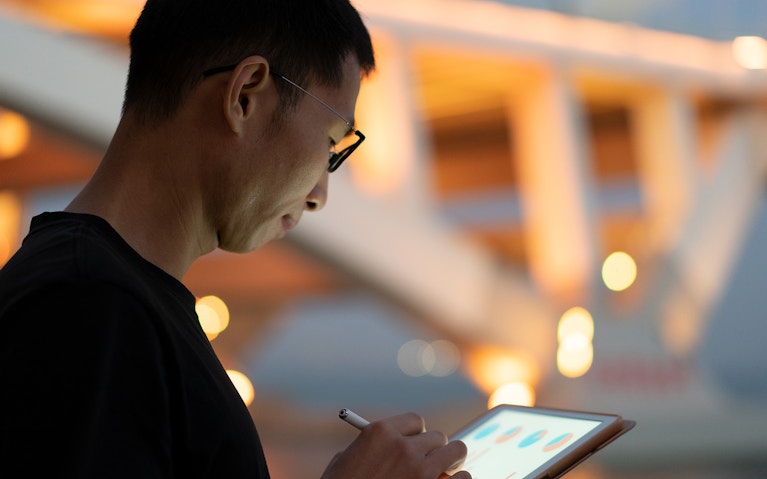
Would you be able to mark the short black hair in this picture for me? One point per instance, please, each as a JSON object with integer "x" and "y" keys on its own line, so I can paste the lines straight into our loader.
{"x": 174, "y": 41}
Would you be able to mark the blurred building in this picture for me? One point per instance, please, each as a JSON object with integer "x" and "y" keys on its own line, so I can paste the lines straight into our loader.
{"x": 550, "y": 204}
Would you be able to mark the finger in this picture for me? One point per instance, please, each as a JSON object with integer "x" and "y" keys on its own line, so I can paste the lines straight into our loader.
{"x": 408, "y": 424}
{"x": 428, "y": 441}
{"x": 457, "y": 466}
{"x": 450, "y": 457}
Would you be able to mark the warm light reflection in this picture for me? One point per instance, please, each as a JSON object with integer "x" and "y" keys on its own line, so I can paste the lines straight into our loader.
{"x": 750, "y": 52}
{"x": 619, "y": 271}
{"x": 213, "y": 315}
{"x": 516, "y": 393}
{"x": 418, "y": 358}
{"x": 10, "y": 217}
{"x": 575, "y": 333}
{"x": 113, "y": 18}
{"x": 208, "y": 320}
{"x": 5, "y": 248}
{"x": 575, "y": 355}
{"x": 382, "y": 164}
{"x": 491, "y": 367}
{"x": 14, "y": 134}
{"x": 576, "y": 320}
{"x": 243, "y": 386}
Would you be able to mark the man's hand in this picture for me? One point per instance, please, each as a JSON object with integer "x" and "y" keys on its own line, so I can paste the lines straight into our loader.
{"x": 398, "y": 447}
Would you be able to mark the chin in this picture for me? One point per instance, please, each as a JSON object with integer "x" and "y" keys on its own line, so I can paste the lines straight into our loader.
{"x": 243, "y": 247}
{"x": 246, "y": 244}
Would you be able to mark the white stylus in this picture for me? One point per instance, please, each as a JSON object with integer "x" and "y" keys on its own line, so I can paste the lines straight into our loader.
{"x": 353, "y": 418}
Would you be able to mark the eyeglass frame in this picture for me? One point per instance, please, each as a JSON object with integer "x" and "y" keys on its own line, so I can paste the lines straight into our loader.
{"x": 336, "y": 157}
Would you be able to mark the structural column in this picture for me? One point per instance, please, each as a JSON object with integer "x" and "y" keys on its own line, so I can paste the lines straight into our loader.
{"x": 555, "y": 184}
{"x": 663, "y": 126}
{"x": 391, "y": 164}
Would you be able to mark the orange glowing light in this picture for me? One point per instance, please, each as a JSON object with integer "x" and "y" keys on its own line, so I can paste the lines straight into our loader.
{"x": 243, "y": 385}
{"x": 750, "y": 52}
{"x": 14, "y": 134}
{"x": 575, "y": 355}
{"x": 490, "y": 368}
{"x": 113, "y": 18}
{"x": 576, "y": 320}
{"x": 5, "y": 249}
{"x": 213, "y": 315}
{"x": 576, "y": 352}
{"x": 619, "y": 271}
{"x": 515, "y": 393}
{"x": 382, "y": 164}
{"x": 10, "y": 217}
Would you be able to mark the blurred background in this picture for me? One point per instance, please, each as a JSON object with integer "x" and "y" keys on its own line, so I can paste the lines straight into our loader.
{"x": 559, "y": 203}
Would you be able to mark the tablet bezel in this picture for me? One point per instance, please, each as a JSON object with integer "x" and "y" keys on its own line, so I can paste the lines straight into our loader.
{"x": 609, "y": 428}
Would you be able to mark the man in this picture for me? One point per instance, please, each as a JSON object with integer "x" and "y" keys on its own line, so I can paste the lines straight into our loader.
{"x": 232, "y": 112}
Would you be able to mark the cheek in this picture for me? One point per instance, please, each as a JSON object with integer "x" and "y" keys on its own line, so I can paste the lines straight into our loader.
{"x": 294, "y": 176}
{"x": 309, "y": 162}
{"x": 298, "y": 157}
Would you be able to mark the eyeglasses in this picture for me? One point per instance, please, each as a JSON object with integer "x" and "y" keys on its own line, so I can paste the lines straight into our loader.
{"x": 341, "y": 149}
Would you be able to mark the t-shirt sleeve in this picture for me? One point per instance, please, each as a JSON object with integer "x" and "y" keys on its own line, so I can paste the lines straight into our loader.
{"x": 83, "y": 385}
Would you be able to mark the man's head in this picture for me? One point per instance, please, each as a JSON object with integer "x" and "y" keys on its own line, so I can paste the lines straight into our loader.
{"x": 175, "y": 41}
{"x": 243, "y": 103}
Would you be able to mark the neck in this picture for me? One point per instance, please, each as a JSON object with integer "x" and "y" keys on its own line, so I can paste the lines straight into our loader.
{"x": 145, "y": 188}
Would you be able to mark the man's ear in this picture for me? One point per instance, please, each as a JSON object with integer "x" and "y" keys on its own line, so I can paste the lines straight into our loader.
{"x": 247, "y": 82}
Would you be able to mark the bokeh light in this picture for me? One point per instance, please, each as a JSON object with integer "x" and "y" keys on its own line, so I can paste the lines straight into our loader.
{"x": 576, "y": 320}
{"x": 243, "y": 386}
{"x": 10, "y": 217}
{"x": 750, "y": 52}
{"x": 213, "y": 315}
{"x": 515, "y": 393}
{"x": 14, "y": 134}
{"x": 448, "y": 358}
{"x": 575, "y": 333}
{"x": 619, "y": 271}
{"x": 418, "y": 358}
{"x": 5, "y": 248}
{"x": 413, "y": 357}
{"x": 491, "y": 367}
{"x": 575, "y": 355}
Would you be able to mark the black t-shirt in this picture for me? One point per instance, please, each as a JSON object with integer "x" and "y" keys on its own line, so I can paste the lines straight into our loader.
{"x": 104, "y": 368}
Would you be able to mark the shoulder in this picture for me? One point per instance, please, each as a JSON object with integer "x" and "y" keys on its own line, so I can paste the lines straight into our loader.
{"x": 60, "y": 246}
{"x": 82, "y": 254}
{"x": 64, "y": 244}
{"x": 80, "y": 310}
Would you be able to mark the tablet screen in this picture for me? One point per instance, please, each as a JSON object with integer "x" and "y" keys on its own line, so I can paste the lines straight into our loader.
{"x": 516, "y": 442}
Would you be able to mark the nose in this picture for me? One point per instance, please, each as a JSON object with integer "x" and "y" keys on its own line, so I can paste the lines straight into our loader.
{"x": 317, "y": 198}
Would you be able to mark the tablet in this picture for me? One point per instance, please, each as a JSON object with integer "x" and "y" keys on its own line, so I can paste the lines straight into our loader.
{"x": 518, "y": 442}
